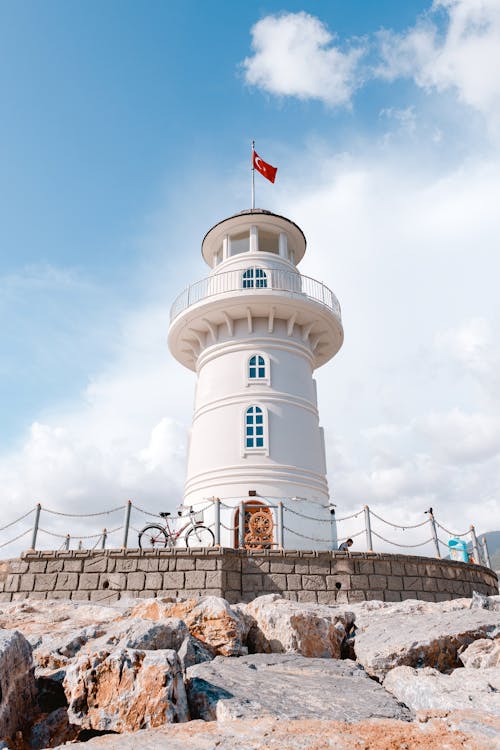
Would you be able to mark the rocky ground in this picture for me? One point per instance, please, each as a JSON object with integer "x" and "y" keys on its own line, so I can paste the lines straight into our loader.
{"x": 269, "y": 674}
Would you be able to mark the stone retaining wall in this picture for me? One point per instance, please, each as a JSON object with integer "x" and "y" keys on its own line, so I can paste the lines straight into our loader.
{"x": 325, "y": 577}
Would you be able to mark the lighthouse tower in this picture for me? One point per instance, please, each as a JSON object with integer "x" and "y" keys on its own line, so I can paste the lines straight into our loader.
{"x": 254, "y": 330}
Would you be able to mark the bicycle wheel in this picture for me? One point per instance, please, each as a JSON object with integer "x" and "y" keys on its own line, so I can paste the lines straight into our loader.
{"x": 200, "y": 536}
{"x": 152, "y": 537}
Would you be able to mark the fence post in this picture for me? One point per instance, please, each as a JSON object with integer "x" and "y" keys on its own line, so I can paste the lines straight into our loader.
{"x": 475, "y": 547}
{"x": 67, "y": 541}
{"x": 434, "y": 534}
{"x": 241, "y": 526}
{"x": 216, "y": 501}
{"x": 103, "y": 538}
{"x": 280, "y": 524}
{"x": 368, "y": 528}
{"x": 35, "y": 526}
{"x": 486, "y": 553}
{"x": 126, "y": 523}
{"x": 333, "y": 528}
{"x": 80, "y": 544}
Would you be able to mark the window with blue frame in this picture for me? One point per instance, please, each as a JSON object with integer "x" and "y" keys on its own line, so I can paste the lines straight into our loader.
{"x": 254, "y": 427}
{"x": 254, "y": 278}
{"x": 256, "y": 367}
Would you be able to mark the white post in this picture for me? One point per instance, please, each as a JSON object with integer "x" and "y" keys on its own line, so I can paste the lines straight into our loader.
{"x": 475, "y": 547}
{"x": 35, "y": 526}
{"x": 241, "y": 526}
{"x": 225, "y": 248}
{"x": 280, "y": 524}
{"x": 126, "y": 523}
{"x": 368, "y": 528}
{"x": 333, "y": 528}
{"x": 216, "y": 501}
{"x": 434, "y": 534}
{"x": 486, "y": 553}
{"x": 254, "y": 240}
{"x": 283, "y": 245}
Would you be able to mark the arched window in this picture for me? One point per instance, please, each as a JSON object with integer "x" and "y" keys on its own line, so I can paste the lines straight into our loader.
{"x": 256, "y": 367}
{"x": 254, "y": 427}
{"x": 254, "y": 277}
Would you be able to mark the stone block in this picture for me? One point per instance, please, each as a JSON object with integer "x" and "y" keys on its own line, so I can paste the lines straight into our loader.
{"x": 18, "y": 566}
{"x": 233, "y": 597}
{"x": 374, "y": 595}
{"x": 72, "y": 566}
{"x": 59, "y": 594}
{"x": 426, "y": 596}
{"x": 185, "y": 563}
{"x": 409, "y": 595}
{"x": 88, "y": 581}
{"x": 392, "y": 596}
{"x": 301, "y": 567}
{"x": 397, "y": 568}
{"x": 108, "y": 581}
{"x": 378, "y": 582}
{"x": 319, "y": 567}
{"x": 233, "y": 562}
{"x": 359, "y": 582}
{"x": 38, "y": 566}
{"x": 307, "y": 596}
{"x": 6, "y": 596}
{"x": 39, "y": 595}
{"x": 365, "y": 567}
{"x": 327, "y": 597}
{"x": 135, "y": 581}
{"x": 45, "y": 581}
{"x": 105, "y": 596}
{"x": 126, "y": 565}
{"x": 18, "y": 596}
{"x": 27, "y": 582}
{"x": 394, "y": 583}
{"x": 194, "y": 579}
{"x": 147, "y": 594}
{"x": 148, "y": 564}
{"x": 337, "y": 582}
{"x": 429, "y": 584}
{"x": 166, "y": 563}
{"x": 153, "y": 581}
{"x": 67, "y": 581}
{"x": 54, "y": 566}
{"x": 313, "y": 583}
{"x": 12, "y": 582}
{"x": 292, "y": 595}
{"x": 293, "y": 582}
{"x": 213, "y": 579}
{"x": 356, "y": 596}
{"x": 203, "y": 563}
{"x": 80, "y": 596}
{"x": 234, "y": 580}
{"x": 412, "y": 583}
{"x": 382, "y": 567}
{"x": 443, "y": 584}
{"x": 173, "y": 580}
{"x": 411, "y": 569}
{"x": 278, "y": 580}
{"x": 281, "y": 566}
{"x": 343, "y": 565}
{"x": 96, "y": 564}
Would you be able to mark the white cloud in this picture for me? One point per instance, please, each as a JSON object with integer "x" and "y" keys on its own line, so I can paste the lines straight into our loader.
{"x": 294, "y": 55}
{"x": 464, "y": 58}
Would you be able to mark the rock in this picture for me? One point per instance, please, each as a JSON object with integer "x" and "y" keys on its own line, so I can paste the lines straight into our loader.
{"x": 422, "y": 637}
{"x": 275, "y": 734}
{"x": 17, "y": 683}
{"x": 126, "y": 690}
{"x": 482, "y": 654}
{"x": 481, "y": 601}
{"x": 424, "y": 689}
{"x": 193, "y": 651}
{"x": 210, "y": 619}
{"x": 288, "y": 686}
{"x": 283, "y": 626}
{"x": 52, "y": 729}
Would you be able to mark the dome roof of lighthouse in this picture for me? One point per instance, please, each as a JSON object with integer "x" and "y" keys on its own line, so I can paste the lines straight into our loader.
{"x": 264, "y": 220}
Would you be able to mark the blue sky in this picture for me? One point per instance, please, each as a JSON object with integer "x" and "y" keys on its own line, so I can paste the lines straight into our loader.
{"x": 125, "y": 131}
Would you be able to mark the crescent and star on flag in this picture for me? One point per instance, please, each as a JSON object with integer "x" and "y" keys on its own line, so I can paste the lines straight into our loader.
{"x": 265, "y": 169}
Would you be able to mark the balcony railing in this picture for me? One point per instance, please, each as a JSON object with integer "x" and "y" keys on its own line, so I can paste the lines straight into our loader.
{"x": 248, "y": 280}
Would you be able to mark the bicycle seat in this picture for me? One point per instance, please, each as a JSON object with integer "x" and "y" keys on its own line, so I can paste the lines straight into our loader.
{"x": 165, "y": 514}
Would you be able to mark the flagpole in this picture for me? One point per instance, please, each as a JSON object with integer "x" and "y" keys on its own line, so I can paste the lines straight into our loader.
{"x": 253, "y": 176}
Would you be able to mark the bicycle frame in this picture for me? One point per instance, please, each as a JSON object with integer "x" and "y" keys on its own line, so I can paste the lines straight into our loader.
{"x": 173, "y": 536}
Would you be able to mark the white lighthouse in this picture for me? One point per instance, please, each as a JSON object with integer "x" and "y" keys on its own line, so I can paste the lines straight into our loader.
{"x": 254, "y": 331}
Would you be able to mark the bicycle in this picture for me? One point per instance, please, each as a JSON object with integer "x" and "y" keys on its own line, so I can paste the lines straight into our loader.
{"x": 154, "y": 536}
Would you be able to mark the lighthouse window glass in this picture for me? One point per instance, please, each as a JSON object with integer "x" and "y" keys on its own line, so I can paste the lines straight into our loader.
{"x": 240, "y": 243}
{"x": 256, "y": 367}
{"x": 268, "y": 242}
{"x": 254, "y": 427}
{"x": 254, "y": 277}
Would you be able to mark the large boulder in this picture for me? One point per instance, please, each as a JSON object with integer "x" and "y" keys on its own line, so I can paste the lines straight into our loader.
{"x": 17, "y": 682}
{"x": 287, "y": 686}
{"x": 419, "y": 636}
{"x": 283, "y": 626}
{"x": 209, "y": 619}
{"x": 428, "y": 689}
{"x": 482, "y": 654}
{"x": 126, "y": 690}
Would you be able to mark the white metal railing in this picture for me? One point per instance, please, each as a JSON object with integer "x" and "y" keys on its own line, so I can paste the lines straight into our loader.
{"x": 247, "y": 281}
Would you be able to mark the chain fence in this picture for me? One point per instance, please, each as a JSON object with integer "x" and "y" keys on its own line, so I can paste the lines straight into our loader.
{"x": 224, "y": 521}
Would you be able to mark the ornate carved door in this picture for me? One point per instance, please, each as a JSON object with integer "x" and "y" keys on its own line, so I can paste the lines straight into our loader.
{"x": 259, "y": 527}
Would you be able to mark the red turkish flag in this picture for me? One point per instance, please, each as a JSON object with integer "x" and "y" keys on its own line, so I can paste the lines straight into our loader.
{"x": 264, "y": 168}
